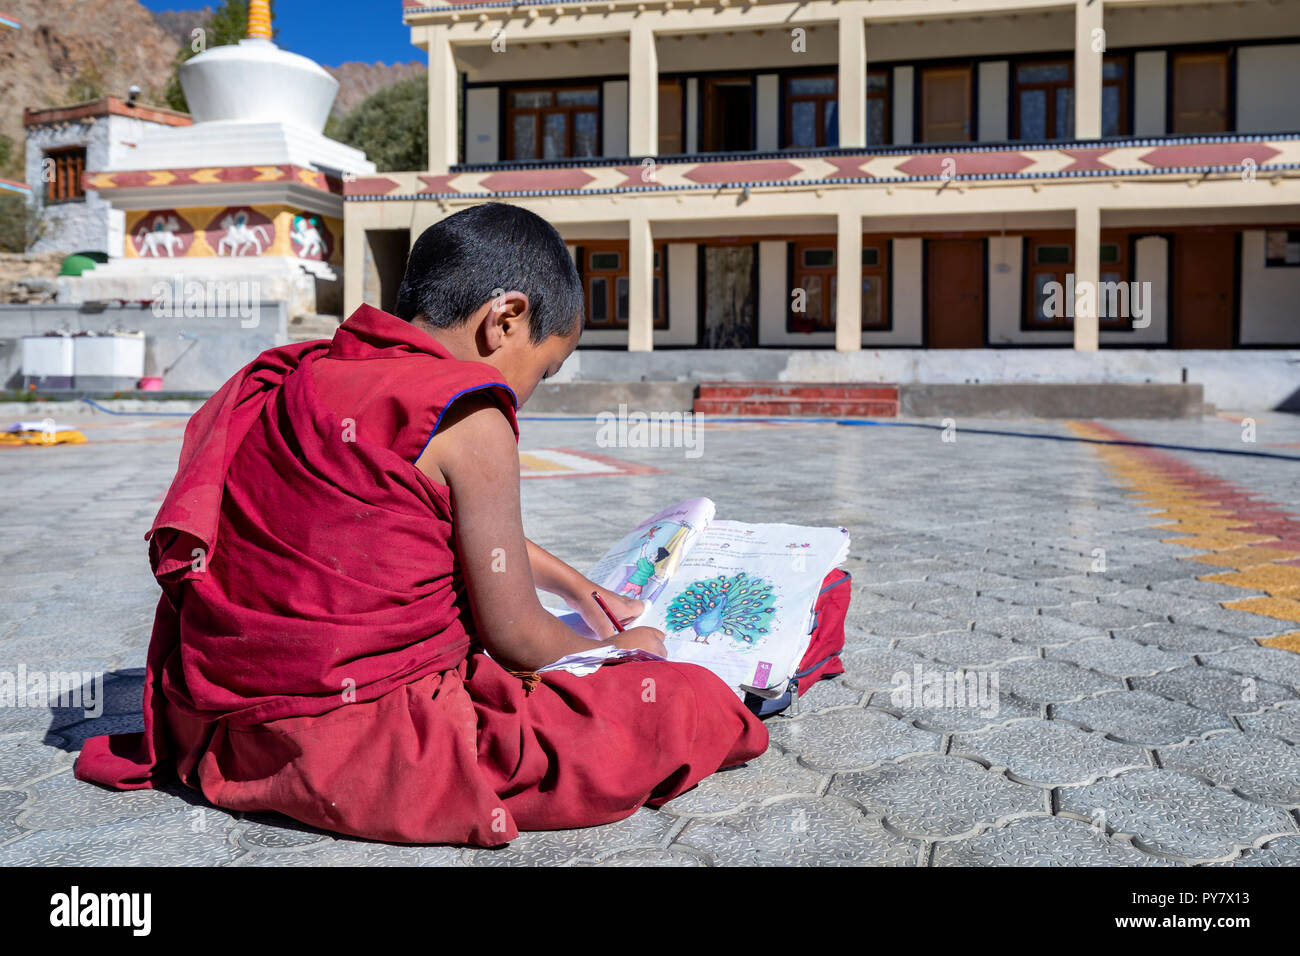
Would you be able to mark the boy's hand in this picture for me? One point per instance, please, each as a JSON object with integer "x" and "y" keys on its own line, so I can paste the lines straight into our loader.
{"x": 625, "y": 609}
{"x": 642, "y": 639}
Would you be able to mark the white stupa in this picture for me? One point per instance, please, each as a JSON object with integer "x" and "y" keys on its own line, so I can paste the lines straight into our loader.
{"x": 251, "y": 190}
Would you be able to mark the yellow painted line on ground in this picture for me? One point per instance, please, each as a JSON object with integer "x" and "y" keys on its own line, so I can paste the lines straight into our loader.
{"x": 1284, "y": 609}
{"x": 1279, "y": 580}
{"x": 1241, "y": 558}
{"x": 534, "y": 463}
{"x": 1209, "y": 527}
{"x": 1288, "y": 642}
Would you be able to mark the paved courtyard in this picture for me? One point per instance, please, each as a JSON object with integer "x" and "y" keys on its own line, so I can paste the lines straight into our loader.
{"x": 1136, "y": 719}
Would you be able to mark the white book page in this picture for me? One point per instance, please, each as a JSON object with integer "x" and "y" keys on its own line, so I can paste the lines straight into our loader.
{"x": 741, "y": 601}
{"x": 644, "y": 559}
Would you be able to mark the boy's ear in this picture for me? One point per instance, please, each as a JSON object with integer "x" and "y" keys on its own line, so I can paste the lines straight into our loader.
{"x": 506, "y": 313}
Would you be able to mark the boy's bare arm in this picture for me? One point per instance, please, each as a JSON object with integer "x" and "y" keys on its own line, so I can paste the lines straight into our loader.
{"x": 555, "y": 576}
{"x": 475, "y": 451}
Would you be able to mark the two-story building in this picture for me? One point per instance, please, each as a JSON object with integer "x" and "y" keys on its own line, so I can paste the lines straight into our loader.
{"x": 874, "y": 174}
{"x": 62, "y": 144}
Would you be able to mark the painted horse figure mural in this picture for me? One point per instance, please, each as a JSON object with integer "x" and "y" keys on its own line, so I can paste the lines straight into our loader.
{"x": 305, "y": 235}
{"x": 162, "y": 235}
{"x": 240, "y": 236}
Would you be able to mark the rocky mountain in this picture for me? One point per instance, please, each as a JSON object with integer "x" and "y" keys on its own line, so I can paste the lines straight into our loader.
{"x": 181, "y": 23}
{"x": 359, "y": 80}
{"x": 103, "y": 44}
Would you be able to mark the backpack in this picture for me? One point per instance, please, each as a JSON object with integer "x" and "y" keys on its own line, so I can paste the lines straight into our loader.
{"x": 822, "y": 659}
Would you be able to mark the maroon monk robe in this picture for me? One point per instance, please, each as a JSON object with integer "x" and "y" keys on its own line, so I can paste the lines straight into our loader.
{"x": 313, "y": 651}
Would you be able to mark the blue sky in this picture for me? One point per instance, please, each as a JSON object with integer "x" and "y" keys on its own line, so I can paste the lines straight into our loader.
{"x": 331, "y": 31}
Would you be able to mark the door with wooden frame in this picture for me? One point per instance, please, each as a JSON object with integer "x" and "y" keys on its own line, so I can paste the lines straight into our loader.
{"x": 946, "y": 104}
{"x": 727, "y": 114}
{"x": 671, "y": 117}
{"x": 954, "y": 293}
{"x": 1199, "y": 92}
{"x": 1205, "y": 288}
{"x": 728, "y": 312}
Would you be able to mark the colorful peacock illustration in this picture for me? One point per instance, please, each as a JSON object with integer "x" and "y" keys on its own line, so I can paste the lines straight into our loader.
{"x": 740, "y": 607}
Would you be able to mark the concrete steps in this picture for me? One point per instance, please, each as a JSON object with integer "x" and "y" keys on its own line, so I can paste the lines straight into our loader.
{"x": 803, "y": 399}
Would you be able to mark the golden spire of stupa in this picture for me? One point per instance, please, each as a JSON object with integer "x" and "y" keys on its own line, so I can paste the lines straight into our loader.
{"x": 259, "y": 20}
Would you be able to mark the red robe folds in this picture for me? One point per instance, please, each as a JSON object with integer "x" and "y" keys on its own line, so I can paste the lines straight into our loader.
{"x": 313, "y": 651}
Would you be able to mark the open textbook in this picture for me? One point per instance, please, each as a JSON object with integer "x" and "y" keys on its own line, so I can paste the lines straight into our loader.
{"x": 735, "y": 598}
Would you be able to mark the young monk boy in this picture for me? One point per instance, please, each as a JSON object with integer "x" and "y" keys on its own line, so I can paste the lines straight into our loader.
{"x": 349, "y": 628}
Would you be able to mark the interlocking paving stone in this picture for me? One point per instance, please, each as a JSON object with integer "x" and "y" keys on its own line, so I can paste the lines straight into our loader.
{"x": 935, "y": 797}
{"x": 1157, "y": 572}
{"x": 23, "y": 758}
{"x": 1037, "y": 596}
{"x": 160, "y": 839}
{"x": 1233, "y": 622}
{"x": 62, "y": 802}
{"x": 969, "y": 648}
{"x": 843, "y": 740}
{"x": 1041, "y": 631}
{"x": 1210, "y": 688}
{"x": 1176, "y": 815}
{"x": 1092, "y": 585}
{"x": 1041, "y": 841}
{"x": 1257, "y": 766}
{"x": 799, "y": 833}
{"x": 1047, "y": 753}
{"x": 11, "y": 802}
{"x": 645, "y": 828}
{"x": 977, "y": 580}
{"x": 1119, "y": 658}
{"x": 774, "y": 774}
{"x": 875, "y": 668}
{"x": 1279, "y": 666}
{"x": 1203, "y": 590}
{"x": 275, "y": 832}
{"x": 827, "y": 693}
{"x": 1284, "y": 723}
{"x": 1053, "y": 681}
{"x": 673, "y": 856}
{"x": 910, "y": 592}
{"x": 1000, "y": 710}
{"x": 896, "y": 624}
{"x": 1284, "y": 851}
{"x": 972, "y": 611}
{"x": 1103, "y": 615}
{"x": 1185, "y": 638}
{"x": 1158, "y": 603}
{"x": 1141, "y": 718}
{"x": 345, "y": 852}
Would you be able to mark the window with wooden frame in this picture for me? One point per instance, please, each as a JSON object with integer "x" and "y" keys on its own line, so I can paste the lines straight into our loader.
{"x": 1198, "y": 92}
{"x": 1044, "y": 98}
{"x": 1051, "y": 293}
{"x": 68, "y": 167}
{"x": 553, "y": 122}
{"x": 811, "y": 111}
{"x": 879, "y": 113}
{"x": 604, "y": 269}
{"x": 811, "y": 306}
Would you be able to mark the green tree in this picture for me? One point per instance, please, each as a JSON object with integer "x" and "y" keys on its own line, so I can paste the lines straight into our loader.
{"x": 22, "y": 222}
{"x": 10, "y": 161}
{"x": 227, "y": 25}
{"x": 391, "y": 126}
